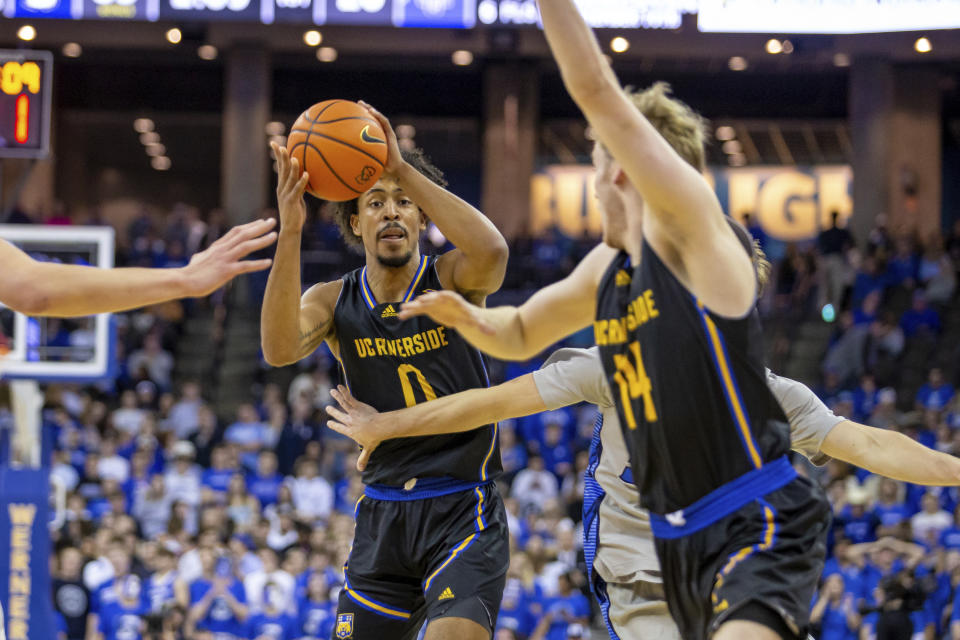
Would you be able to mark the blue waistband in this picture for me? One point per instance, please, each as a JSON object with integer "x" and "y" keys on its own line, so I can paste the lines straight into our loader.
{"x": 724, "y": 500}
{"x": 423, "y": 489}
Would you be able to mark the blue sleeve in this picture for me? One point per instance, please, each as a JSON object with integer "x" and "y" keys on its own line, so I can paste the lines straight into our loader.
{"x": 582, "y": 607}
{"x": 955, "y": 616}
{"x": 238, "y": 592}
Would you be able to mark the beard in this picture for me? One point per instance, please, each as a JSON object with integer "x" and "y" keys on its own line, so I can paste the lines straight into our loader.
{"x": 395, "y": 261}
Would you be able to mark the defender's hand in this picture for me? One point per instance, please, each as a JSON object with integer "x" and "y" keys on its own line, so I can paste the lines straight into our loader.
{"x": 394, "y": 159}
{"x": 446, "y": 308}
{"x": 358, "y": 421}
{"x": 223, "y": 260}
{"x": 290, "y": 189}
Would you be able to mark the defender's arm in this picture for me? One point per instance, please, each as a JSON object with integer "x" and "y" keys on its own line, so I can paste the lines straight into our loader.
{"x": 817, "y": 432}
{"x": 47, "y": 289}
{"x": 455, "y": 413}
{"x": 519, "y": 333}
{"x": 891, "y": 454}
{"x": 683, "y": 218}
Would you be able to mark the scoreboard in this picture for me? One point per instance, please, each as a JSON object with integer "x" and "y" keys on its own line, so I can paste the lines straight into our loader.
{"x": 25, "y": 103}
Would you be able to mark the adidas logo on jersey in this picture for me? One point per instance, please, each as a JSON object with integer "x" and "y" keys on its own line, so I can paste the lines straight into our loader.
{"x": 389, "y": 312}
{"x": 446, "y": 595}
{"x": 623, "y": 278}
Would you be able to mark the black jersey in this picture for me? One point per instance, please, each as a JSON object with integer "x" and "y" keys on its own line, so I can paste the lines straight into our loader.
{"x": 391, "y": 364}
{"x": 689, "y": 385}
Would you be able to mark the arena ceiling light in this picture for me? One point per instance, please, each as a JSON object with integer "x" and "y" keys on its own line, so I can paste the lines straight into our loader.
{"x": 326, "y": 54}
{"x": 72, "y": 50}
{"x": 462, "y": 58}
{"x": 207, "y": 52}
{"x": 733, "y": 147}
{"x": 737, "y": 63}
{"x": 27, "y": 33}
{"x": 160, "y": 163}
{"x": 725, "y": 132}
{"x": 737, "y": 160}
{"x": 312, "y": 38}
{"x": 143, "y": 125}
{"x": 174, "y": 36}
{"x": 619, "y": 44}
{"x": 774, "y": 46}
{"x": 922, "y": 45}
{"x": 149, "y": 137}
{"x": 841, "y": 60}
{"x": 156, "y": 149}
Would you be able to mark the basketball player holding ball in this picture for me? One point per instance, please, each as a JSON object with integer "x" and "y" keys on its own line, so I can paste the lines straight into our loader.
{"x": 431, "y": 541}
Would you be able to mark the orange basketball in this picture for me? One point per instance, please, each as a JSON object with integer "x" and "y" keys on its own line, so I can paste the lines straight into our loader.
{"x": 340, "y": 146}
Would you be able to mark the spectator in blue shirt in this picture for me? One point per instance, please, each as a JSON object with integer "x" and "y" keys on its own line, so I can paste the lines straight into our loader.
{"x": 512, "y": 453}
{"x": 920, "y": 318}
{"x": 835, "y": 612}
{"x": 265, "y": 482}
{"x": 217, "y": 600}
{"x": 568, "y": 607}
{"x": 937, "y": 393}
{"x": 271, "y": 623}
{"x": 317, "y": 610}
{"x": 858, "y": 524}
{"x": 950, "y": 537}
{"x": 216, "y": 479}
{"x": 249, "y": 433}
{"x": 124, "y": 618}
{"x": 889, "y": 509}
{"x": 556, "y": 452}
{"x": 865, "y": 398}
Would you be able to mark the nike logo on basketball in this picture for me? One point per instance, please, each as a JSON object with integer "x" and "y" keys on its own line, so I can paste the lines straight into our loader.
{"x": 366, "y": 137}
{"x": 676, "y": 519}
{"x": 446, "y": 595}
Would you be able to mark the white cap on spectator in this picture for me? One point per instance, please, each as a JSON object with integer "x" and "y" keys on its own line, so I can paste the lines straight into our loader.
{"x": 184, "y": 449}
{"x": 887, "y": 395}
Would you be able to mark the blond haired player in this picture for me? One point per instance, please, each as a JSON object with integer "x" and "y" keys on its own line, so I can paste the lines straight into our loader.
{"x": 625, "y": 575}
{"x": 739, "y": 535}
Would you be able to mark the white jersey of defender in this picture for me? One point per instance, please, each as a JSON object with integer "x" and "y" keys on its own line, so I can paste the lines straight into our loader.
{"x": 625, "y": 552}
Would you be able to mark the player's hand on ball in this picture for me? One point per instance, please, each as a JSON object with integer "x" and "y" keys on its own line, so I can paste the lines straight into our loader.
{"x": 224, "y": 259}
{"x": 394, "y": 159}
{"x": 290, "y": 189}
{"x": 447, "y": 308}
{"x": 356, "y": 420}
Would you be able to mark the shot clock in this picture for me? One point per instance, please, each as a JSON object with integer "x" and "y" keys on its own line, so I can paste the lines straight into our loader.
{"x": 25, "y": 103}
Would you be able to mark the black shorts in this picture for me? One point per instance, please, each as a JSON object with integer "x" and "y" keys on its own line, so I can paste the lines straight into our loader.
{"x": 769, "y": 553}
{"x": 418, "y": 560}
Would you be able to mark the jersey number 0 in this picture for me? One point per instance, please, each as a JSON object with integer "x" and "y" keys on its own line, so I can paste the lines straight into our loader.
{"x": 632, "y": 379}
{"x": 404, "y": 371}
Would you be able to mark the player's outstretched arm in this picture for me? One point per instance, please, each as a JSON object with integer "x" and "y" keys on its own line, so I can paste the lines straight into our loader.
{"x": 47, "y": 289}
{"x": 815, "y": 430}
{"x": 519, "y": 333}
{"x": 683, "y": 219}
{"x": 891, "y": 454}
{"x": 291, "y": 327}
{"x": 455, "y": 413}
{"x": 477, "y": 266}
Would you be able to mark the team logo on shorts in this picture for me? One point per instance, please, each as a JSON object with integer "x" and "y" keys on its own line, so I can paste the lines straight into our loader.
{"x": 345, "y": 626}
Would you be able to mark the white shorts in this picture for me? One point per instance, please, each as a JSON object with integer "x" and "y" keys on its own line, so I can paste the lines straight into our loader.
{"x": 638, "y": 611}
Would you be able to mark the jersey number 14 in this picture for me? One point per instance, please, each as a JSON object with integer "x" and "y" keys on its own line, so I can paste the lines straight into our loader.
{"x": 634, "y": 383}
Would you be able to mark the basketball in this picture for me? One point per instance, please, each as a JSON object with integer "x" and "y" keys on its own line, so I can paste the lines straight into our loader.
{"x": 340, "y": 146}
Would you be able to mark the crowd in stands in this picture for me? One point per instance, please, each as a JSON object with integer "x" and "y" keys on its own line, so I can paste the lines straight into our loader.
{"x": 183, "y": 524}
